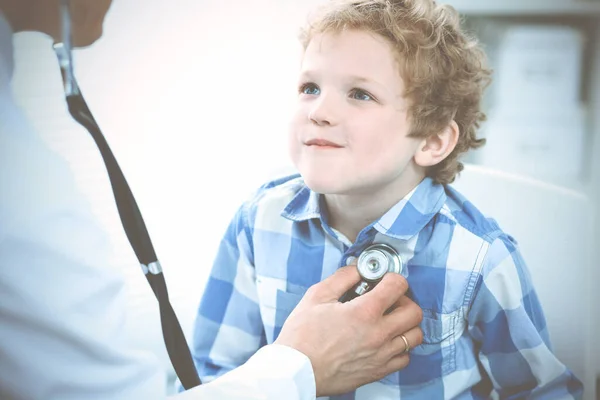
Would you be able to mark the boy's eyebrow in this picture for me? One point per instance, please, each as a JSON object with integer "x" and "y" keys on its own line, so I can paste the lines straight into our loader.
{"x": 308, "y": 74}
{"x": 352, "y": 78}
{"x": 362, "y": 79}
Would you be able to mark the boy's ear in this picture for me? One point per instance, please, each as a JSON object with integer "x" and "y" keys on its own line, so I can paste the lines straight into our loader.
{"x": 436, "y": 148}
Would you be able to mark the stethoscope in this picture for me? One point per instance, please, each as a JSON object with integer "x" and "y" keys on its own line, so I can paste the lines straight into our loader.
{"x": 373, "y": 263}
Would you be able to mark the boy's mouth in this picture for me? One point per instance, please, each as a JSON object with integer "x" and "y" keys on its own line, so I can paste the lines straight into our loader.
{"x": 322, "y": 143}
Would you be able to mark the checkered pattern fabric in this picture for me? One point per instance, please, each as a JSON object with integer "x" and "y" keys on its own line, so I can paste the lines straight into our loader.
{"x": 484, "y": 330}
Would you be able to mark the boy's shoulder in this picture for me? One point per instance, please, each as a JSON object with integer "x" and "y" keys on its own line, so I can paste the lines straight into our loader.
{"x": 276, "y": 194}
{"x": 475, "y": 230}
{"x": 467, "y": 216}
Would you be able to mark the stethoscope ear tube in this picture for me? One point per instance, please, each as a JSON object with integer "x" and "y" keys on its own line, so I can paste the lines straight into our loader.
{"x": 139, "y": 238}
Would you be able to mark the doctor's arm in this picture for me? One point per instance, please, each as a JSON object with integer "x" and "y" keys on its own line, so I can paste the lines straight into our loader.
{"x": 62, "y": 305}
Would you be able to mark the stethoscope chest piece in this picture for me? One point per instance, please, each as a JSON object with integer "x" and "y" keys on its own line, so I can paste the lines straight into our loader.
{"x": 373, "y": 263}
{"x": 377, "y": 260}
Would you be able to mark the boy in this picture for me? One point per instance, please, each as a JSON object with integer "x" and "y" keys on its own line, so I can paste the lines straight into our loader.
{"x": 388, "y": 99}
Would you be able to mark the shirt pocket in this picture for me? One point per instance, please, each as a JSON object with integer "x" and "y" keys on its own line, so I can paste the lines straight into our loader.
{"x": 436, "y": 356}
{"x": 276, "y": 300}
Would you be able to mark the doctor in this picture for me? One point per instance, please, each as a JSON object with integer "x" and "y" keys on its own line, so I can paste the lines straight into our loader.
{"x": 62, "y": 308}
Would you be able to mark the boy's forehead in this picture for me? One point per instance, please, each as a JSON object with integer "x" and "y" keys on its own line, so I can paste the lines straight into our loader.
{"x": 358, "y": 54}
{"x": 354, "y": 41}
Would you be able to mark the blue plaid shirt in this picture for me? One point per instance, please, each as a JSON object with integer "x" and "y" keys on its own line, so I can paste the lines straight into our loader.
{"x": 484, "y": 330}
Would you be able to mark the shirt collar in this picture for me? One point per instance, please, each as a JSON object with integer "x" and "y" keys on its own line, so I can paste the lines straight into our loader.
{"x": 6, "y": 52}
{"x": 404, "y": 220}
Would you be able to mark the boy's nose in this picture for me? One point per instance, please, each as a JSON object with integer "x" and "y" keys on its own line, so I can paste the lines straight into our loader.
{"x": 324, "y": 111}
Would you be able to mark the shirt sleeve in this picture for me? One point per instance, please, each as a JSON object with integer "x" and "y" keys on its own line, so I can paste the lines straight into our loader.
{"x": 62, "y": 305}
{"x": 508, "y": 325}
{"x": 228, "y": 329}
{"x": 275, "y": 372}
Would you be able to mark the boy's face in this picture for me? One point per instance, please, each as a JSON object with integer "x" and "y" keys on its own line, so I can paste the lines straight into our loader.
{"x": 349, "y": 132}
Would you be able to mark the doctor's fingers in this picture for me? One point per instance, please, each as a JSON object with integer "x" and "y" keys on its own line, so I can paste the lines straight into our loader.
{"x": 395, "y": 350}
{"x": 396, "y": 364}
{"x": 383, "y": 296}
{"x": 403, "y": 343}
{"x": 406, "y": 316}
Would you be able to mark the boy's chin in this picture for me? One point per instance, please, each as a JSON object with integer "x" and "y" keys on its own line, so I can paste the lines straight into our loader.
{"x": 325, "y": 180}
{"x": 323, "y": 185}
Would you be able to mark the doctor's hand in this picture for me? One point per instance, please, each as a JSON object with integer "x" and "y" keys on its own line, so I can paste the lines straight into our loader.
{"x": 354, "y": 343}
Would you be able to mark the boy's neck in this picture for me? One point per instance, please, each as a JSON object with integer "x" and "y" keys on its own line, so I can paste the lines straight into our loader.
{"x": 350, "y": 213}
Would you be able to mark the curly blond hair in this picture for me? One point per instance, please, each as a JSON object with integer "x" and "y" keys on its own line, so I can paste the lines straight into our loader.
{"x": 444, "y": 70}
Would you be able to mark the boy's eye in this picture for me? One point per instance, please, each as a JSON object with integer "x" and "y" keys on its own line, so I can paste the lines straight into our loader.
{"x": 310, "y": 89}
{"x": 359, "y": 94}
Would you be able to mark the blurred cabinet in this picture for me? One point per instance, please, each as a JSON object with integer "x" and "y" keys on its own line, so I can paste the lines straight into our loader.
{"x": 521, "y": 8}
{"x": 543, "y": 117}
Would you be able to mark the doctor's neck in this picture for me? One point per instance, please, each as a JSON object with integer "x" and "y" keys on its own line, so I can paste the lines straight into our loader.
{"x": 32, "y": 15}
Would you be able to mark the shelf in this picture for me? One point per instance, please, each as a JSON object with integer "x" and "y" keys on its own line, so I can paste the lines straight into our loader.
{"x": 587, "y": 8}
